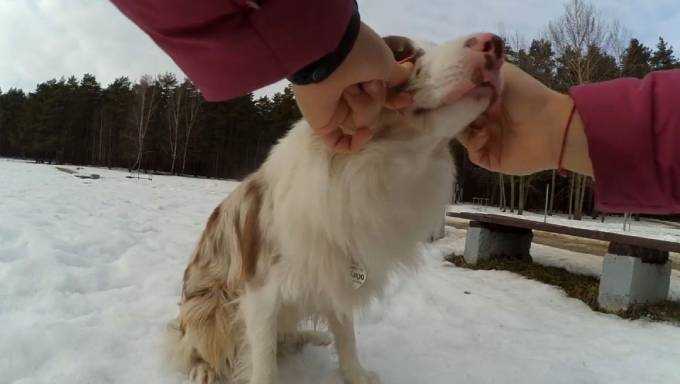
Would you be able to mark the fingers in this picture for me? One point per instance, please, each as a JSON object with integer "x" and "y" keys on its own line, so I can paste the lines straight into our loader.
{"x": 342, "y": 112}
{"x": 399, "y": 101}
{"x": 401, "y": 72}
{"x": 361, "y": 137}
{"x": 359, "y": 108}
{"x": 340, "y": 142}
{"x": 366, "y": 102}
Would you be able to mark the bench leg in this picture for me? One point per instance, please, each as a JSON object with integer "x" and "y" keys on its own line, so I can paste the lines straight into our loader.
{"x": 633, "y": 275}
{"x": 491, "y": 241}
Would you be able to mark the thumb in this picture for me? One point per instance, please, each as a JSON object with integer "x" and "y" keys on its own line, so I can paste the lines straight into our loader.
{"x": 400, "y": 74}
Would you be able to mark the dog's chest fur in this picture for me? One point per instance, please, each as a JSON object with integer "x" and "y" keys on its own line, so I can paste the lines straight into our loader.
{"x": 325, "y": 213}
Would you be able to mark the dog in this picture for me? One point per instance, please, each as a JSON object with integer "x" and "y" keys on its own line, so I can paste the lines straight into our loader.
{"x": 317, "y": 235}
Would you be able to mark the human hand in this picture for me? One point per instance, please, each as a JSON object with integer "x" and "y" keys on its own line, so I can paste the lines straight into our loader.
{"x": 527, "y": 134}
{"x": 343, "y": 108}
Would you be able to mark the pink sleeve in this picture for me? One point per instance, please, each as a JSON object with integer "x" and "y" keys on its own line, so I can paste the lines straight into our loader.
{"x": 229, "y": 48}
{"x": 633, "y": 130}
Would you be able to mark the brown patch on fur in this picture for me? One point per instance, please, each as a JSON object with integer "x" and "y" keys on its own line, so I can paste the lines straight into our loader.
{"x": 248, "y": 235}
{"x": 212, "y": 221}
{"x": 403, "y": 48}
{"x": 206, "y": 240}
{"x": 477, "y": 76}
{"x": 185, "y": 280}
{"x": 471, "y": 42}
{"x": 489, "y": 62}
{"x": 498, "y": 47}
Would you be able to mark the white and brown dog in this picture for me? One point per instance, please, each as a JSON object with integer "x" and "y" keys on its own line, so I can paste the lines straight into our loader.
{"x": 316, "y": 235}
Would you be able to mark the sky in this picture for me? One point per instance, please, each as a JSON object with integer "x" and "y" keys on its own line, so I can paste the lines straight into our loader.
{"x": 45, "y": 39}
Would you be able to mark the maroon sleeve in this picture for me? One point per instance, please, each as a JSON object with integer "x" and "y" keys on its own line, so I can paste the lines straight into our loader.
{"x": 229, "y": 48}
{"x": 633, "y": 130}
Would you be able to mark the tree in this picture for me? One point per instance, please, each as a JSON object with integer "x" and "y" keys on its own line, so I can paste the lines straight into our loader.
{"x": 12, "y": 104}
{"x": 635, "y": 61}
{"x": 117, "y": 105}
{"x": 663, "y": 57}
{"x": 146, "y": 95}
{"x": 538, "y": 61}
{"x": 581, "y": 39}
{"x": 584, "y": 42}
{"x": 191, "y": 108}
{"x": 173, "y": 98}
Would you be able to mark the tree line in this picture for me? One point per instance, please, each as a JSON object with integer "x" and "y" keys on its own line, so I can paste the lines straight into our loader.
{"x": 161, "y": 124}
{"x": 155, "y": 124}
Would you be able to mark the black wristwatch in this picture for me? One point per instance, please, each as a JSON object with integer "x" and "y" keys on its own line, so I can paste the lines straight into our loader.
{"x": 322, "y": 68}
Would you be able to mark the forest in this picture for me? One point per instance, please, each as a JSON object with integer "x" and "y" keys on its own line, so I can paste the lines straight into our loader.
{"x": 161, "y": 124}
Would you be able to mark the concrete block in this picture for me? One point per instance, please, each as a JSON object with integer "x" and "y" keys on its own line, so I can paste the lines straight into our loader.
{"x": 490, "y": 241}
{"x": 629, "y": 280}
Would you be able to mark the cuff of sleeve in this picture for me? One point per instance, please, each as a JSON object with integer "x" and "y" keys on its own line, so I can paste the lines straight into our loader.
{"x": 322, "y": 68}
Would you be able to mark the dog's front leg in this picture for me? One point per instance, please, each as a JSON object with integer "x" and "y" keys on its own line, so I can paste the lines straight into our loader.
{"x": 261, "y": 307}
{"x": 342, "y": 328}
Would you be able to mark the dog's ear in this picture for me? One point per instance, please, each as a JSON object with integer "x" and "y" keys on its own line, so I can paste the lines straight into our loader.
{"x": 402, "y": 47}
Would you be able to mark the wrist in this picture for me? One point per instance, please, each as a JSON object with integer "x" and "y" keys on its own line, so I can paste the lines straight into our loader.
{"x": 323, "y": 67}
{"x": 570, "y": 138}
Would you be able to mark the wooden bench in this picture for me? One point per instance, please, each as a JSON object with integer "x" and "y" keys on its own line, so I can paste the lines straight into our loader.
{"x": 636, "y": 269}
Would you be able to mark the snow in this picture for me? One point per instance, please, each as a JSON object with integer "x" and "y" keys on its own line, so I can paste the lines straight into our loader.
{"x": 613, "y": 224}
{"x": 90, "y": 272}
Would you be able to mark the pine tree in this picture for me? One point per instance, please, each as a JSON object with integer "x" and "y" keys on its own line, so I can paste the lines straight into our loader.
{"x": 635, "y": 60}
{"x": 542, "y": 61}
{"x": 117, "y": 104}
{"x": 663, "y": 57}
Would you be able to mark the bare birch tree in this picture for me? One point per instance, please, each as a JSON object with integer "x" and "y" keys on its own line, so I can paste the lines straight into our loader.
{"x": 192, "y": 107}
{"x": 174, "y": 113}
{"x": 146, "y": 94}
{"x": 576, "y": 32}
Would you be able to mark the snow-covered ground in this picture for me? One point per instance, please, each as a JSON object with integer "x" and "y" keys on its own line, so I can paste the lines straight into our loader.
{"x": 614, "y": 224}
{"x": 90, "y": 272}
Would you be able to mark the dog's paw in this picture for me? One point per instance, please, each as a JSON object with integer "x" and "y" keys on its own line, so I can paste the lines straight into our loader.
{"x": 361, "y": 376}
{"x": 201, "y": 373}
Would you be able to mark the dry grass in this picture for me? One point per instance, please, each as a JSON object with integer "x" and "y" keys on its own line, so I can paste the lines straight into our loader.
{"x": 579, "y": 287}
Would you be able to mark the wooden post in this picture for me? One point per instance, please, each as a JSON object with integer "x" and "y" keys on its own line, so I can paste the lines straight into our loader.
{"x": 571, "y": 195}
{"x": 520, "y": 203}
{"x": 552, "y": 193}
{"x": 547, "y": 197}
{"x": 512, "y": 193}
{"x": 502, "y": 192}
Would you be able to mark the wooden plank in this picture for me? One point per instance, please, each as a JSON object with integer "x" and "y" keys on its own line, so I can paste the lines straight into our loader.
{"x": 661, "y": 245}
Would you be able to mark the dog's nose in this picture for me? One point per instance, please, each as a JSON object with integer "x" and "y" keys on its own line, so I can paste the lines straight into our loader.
{"x": 488, "y": 44}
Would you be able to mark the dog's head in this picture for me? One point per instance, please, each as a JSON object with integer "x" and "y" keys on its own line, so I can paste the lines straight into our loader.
{"x": 452, "y": 84}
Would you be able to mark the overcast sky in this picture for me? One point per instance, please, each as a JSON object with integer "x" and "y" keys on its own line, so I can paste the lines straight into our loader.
{"x": 44, "y": 39}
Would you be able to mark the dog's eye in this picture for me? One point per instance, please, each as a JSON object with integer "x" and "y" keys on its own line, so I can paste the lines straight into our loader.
{"x": 420, "y": 69}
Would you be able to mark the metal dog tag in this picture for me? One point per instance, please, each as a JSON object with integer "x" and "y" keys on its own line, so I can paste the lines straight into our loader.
{"x": 357, "y": 274}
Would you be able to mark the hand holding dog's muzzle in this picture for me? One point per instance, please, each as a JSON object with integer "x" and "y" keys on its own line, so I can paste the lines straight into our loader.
{"x": 343, "y": 108}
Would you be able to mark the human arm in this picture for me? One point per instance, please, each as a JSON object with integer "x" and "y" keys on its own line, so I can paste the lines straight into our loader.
{"x": 628, "y": 127}
{"x": 633, "y": 131}
{"x": 231, "y": 48}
